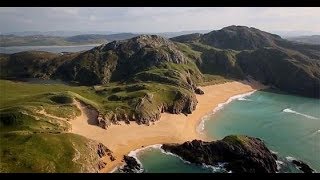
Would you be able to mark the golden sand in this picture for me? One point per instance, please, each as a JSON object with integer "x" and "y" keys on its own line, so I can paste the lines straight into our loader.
{"x": 171, "y": 128}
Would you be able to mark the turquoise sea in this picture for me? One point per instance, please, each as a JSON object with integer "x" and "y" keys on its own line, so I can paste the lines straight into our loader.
{"x": 289, "y": 125}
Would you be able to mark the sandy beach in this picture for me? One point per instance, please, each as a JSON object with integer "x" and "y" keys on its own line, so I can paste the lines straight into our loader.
{"x": 171, "y": 128}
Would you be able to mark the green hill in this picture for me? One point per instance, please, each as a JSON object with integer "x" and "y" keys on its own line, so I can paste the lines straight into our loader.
{"x": 134, "y": 80}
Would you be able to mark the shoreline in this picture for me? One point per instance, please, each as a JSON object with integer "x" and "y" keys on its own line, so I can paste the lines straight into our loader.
{"x": 170, "y": 128}
{"x": 220, "y": 106}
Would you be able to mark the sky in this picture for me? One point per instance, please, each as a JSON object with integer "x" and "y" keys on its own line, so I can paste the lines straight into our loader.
{"x": 156, "y": 19}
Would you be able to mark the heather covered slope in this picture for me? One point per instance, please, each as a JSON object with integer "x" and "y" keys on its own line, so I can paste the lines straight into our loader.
{"x": 239, "y": 51}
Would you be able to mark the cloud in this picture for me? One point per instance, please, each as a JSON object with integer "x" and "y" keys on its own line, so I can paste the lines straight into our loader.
{"x": 92, "y": 18}
{"x": 157, "y": 19}
{"x": 66, "y": 10}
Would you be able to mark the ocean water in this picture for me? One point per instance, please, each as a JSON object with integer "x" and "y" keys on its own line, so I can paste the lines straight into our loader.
{"x": 289, "y": 125}
{"x": 54, "y": 49}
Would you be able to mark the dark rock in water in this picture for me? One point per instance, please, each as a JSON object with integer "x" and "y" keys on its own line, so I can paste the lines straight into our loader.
{"x": 242, "y": 154}
{"x": 198, "y": 91}
{"x": 274, "y": 156}
{"x": 303, "y": 166}
{"x": 132, "y": 166}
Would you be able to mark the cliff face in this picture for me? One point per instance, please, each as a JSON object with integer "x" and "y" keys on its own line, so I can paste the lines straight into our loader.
{"x": 147, "y": 107}
{"x": 242, "y": 154}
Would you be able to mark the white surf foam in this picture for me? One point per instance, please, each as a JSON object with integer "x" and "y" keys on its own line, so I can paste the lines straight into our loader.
{"x": 134, "y": 154}
{"x": 217, "y": 168}
{"x": 273, "y": 152}
{"x": 279, "y": 164}
{"x": 316, "y": 132}
{"x": 114, "y": 169}
{"x": 287, "y": 110}
{"x": 220, "y": 106}
{"x": 289, "y": 158}
{"x": 244, "y": 99}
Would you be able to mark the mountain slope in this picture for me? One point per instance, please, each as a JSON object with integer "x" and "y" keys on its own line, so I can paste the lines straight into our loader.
{"x": 140, "y": 77}
{"x": 238, "y": 38}
{"x": 233, "y": 52}
{"x": 238, "y": 51}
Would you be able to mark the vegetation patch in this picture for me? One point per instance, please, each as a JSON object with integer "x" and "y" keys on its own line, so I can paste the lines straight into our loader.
{"x": 61, "y": 99}
{"x": 41, "y": 152}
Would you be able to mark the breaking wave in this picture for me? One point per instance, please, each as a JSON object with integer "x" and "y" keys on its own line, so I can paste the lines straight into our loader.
{"x": 287, "y": 110}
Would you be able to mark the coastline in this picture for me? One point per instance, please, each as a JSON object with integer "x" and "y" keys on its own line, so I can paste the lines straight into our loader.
{"x": 171, "y": 128}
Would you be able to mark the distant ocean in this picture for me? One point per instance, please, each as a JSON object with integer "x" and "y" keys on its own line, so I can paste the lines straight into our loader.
{"x": 289, "y": 125}
{"x": 54, "y": 49}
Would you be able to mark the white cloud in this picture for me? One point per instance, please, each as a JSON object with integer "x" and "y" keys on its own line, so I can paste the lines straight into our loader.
{"x": 156, "y": 19}
{"x": 66, "y": 10}
{"x": 92, "y": 18}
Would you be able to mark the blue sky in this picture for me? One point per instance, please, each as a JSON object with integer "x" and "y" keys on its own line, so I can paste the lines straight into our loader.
{"x": 156, "y": 19}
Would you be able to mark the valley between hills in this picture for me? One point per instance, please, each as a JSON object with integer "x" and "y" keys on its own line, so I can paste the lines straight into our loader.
{"x": 145, "y": 90}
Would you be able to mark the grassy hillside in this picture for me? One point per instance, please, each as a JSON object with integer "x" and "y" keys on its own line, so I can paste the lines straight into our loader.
{"x": 23, "y": 151}
{"x": 237, "y": 52}
{"x": 133, "y": 80}
{"x": 31, "y": 142}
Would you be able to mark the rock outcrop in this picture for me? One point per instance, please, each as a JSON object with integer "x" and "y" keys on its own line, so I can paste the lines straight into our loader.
{"x": 183, "y": 103}
{"x": 147, "y": 109}
{"x": 242, "y": 154}
{"x": 131, "y": 165}
{"x": 198, "y": 91}
{"x": 103, "y": 151}
{"x": 303, "y": 166}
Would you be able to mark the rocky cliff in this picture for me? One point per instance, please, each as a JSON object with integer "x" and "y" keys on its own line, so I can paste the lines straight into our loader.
{"x": 242, "y": 154}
